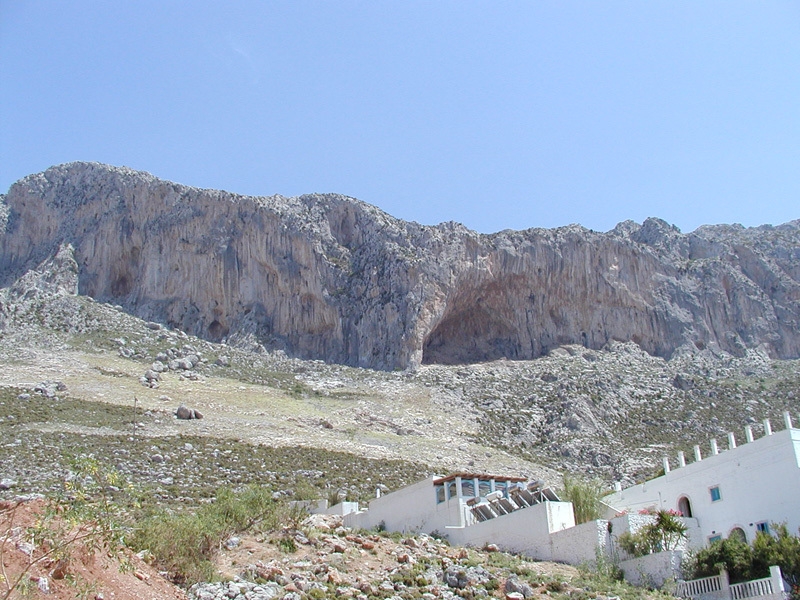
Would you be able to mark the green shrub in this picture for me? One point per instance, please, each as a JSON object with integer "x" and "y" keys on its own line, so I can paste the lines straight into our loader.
{"x": 184, "y": 544}
{"x": 84, "y": 515}
{"x": 287, "y": 545}
{"x": 585, "y": 498}
{"x": 730, "y": 554}
{"x": 666, "y": 532}
{"x": 782, "y": 549}
{"x": 744, "y": 562}
{"x": 555, "y": 585}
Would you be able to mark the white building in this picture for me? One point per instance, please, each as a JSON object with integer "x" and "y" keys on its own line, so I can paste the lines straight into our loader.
{"x": 473, "y": 510}
{"x": 739, "y": 490}
{"x": 736, "y": 491}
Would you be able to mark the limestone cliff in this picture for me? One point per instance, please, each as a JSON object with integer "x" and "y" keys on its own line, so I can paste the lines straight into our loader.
{"x": 330, "y": 277}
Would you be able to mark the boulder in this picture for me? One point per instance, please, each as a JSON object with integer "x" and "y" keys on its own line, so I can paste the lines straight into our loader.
{"x": 514, "y": 585}
{"x": 49, "y": 389}
{"x": 185, "y": 413}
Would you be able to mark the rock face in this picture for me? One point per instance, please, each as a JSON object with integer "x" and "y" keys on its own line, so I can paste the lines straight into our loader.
{"x": 333, "y": 278}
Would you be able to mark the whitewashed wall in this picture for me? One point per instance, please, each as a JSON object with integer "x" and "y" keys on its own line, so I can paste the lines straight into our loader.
{"x": 580, "y": 544}
{"x": 410, "y": 509}
{"x": 653, "y": 570}
{"x": 758, "y": 482}
{"x": 526, "y": 531}
{"x": 342, "y": 508}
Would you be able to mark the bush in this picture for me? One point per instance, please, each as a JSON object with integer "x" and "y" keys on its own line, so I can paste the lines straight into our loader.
{"x": 287, "y": 545}
{"x": 782, "y": 549}
{"x": 83, "y": 517}
{"x": 585, "y": 498}
{"x": 182, "y": 545}
{"x": 730, "y": 554}
{"x": 666, "y": 532}
{"x": 185, "y": 544}
{"x": 744, "y": 562}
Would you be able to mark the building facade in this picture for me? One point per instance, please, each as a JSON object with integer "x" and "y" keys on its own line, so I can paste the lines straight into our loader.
{"x": 473, "y": 510}
{"x": 736, "y": 491}
{"x": 739, "y": 490}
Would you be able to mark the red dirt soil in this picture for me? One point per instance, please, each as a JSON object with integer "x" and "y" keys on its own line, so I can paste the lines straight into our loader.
{"x": 93, "y": 575}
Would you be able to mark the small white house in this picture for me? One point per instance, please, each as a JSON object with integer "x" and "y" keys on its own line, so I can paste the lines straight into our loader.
{"x": 738, "y": 490}
{"x": 473, "y": 509}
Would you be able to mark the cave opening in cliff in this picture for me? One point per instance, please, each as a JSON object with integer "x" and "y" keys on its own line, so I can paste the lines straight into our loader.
{"x": 480, "y": 325}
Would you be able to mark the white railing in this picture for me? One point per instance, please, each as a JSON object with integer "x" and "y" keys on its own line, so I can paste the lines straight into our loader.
{"x": 699, "y": 587}
{"x": 719, "y": 587}
{"x": 752, "y": 589}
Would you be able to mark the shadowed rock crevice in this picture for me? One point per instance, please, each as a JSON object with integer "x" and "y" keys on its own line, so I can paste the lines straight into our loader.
{"x": 481, "y": 324}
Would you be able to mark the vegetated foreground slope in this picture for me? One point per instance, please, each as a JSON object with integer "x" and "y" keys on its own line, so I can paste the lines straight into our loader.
{"x": 328, "y": 277}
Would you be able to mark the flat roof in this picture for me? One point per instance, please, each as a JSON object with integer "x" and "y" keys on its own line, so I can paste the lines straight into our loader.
{"x": 453, "y": 476}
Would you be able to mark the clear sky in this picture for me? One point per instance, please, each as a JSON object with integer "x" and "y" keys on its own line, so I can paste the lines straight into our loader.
{"x": 496, "y": 114}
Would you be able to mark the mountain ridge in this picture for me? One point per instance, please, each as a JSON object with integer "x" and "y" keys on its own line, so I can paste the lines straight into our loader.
{"x": 330, "y": 277}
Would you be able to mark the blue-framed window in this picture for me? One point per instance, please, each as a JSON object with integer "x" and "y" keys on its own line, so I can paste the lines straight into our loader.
{"x": 468, "y": 488}
{"x": 484, "y": 488}
{"x": 715, "y": 493}
{"x": 763, "y": 526}
{"x": 452, "y": 490}
{"x": 714, "y": 538}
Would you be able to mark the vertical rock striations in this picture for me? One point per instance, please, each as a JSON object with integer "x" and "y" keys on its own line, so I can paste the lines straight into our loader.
{"x": 329, "y": 277}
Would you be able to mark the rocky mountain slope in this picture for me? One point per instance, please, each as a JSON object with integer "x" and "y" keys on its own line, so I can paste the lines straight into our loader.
{"x": 328, "y": 277}
{"x": 610, "y": 413}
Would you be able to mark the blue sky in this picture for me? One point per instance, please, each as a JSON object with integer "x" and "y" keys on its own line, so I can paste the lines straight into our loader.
{"x": 494, "y": 114}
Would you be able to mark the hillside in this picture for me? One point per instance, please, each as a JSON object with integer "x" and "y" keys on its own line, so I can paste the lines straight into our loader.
{"x": 610, "y": 412}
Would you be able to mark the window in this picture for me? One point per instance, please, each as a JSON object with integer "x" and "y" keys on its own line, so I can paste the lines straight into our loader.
{"x": 439, "y": 494}
{"x": 763, "y": 527}
{"x": 715, "y": 495}
{"x": 685, "y": 506}
{"x": 467, "y": 488}
{"x": 714, "y": 538}
{"x": 484, "y": 488}
{"x": 737, "y": 533}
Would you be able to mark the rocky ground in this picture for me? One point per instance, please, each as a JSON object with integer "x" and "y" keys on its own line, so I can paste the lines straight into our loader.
{"x": 611, "y": 413}
{"x": 330, "y": 558}
{"x": 313, "y": 558}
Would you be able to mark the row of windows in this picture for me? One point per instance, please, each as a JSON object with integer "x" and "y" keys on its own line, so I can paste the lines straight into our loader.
{"x": 468, "y": 489}
{"x": 685, "y": 507}
{"x": 738, "y": 533}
